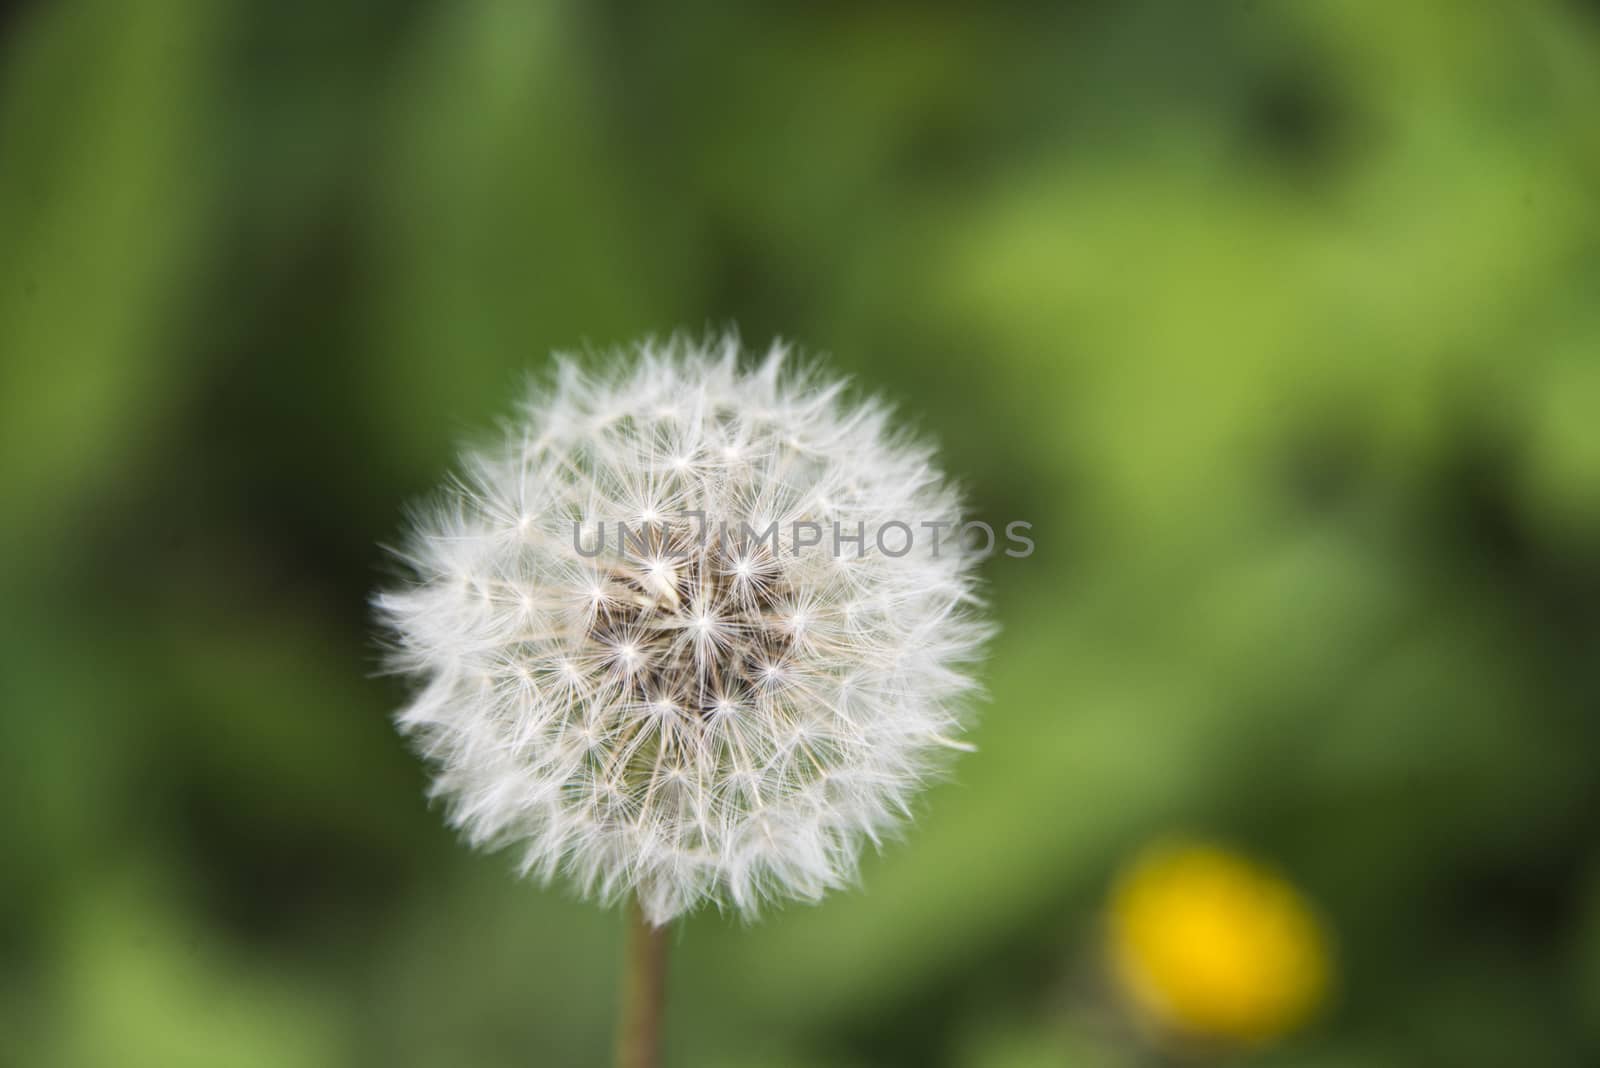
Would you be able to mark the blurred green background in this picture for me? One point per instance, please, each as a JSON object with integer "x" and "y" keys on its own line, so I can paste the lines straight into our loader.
{"x": 1280, "y": 322}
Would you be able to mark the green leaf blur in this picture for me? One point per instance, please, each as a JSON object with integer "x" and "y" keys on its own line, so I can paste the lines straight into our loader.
{"x": 1279, "y": 322}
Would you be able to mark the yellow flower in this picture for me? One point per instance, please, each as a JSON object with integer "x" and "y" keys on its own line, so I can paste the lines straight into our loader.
{"x": 1210, "y": 945}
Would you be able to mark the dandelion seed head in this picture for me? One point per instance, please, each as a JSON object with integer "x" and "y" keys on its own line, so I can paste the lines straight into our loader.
{"x": 719, "y": 709}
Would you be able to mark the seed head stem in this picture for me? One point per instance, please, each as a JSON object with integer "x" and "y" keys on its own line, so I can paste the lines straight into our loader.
{"x": 644, "y": 976}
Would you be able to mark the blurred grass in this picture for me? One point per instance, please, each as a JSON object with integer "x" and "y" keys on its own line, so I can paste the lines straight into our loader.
{"x": 1277, "y": 322}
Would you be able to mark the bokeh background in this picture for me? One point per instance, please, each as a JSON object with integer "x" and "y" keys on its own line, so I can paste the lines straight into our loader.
{"x": 1280, "y": 322}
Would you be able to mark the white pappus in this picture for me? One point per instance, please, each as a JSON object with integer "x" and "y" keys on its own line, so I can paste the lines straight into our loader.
{"x": 693, "y": 706}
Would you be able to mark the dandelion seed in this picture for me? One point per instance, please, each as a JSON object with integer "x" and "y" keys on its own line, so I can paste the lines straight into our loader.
{"x": 689, "y": 720}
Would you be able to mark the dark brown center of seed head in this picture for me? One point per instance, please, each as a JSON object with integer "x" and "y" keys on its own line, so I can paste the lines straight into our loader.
{"x": 691, "y": 618}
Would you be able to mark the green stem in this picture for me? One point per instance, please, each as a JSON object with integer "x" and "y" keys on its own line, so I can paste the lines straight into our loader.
{"x": 643, "y": 993}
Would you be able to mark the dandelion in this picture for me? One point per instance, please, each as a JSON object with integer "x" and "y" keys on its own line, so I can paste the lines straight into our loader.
{"x": 1208, "y": 945}
{"x": 660, "y": 646}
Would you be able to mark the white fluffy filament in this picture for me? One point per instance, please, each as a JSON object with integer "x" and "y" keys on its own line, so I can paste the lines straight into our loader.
{"x": 698, "y": 712}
